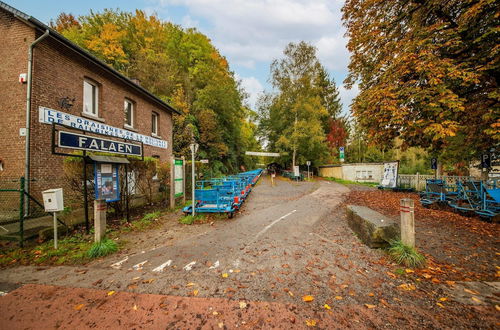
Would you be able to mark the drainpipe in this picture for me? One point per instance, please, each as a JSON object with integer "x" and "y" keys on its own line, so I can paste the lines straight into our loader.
{"x": 28, "y": 114}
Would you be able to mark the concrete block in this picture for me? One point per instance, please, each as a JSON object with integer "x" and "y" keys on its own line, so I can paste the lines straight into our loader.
{"x": 373, "y": 228}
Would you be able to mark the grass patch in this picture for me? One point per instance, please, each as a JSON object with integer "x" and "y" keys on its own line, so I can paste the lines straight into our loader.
{"x": 342, "y": 181}
{"x": 72, "y": 250}
{"x": 405, "y": 255}
{"x": 147, "y": 221}
{"x": 189, "y": 219}
{"x": 102, "y": 248}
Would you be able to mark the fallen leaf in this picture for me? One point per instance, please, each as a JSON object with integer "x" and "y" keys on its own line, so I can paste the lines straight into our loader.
{"x": 311, "y": 323}
{"x": 497, "y": 307}
{"x": 220, "y": 324}
{"x": 440, "y": 305}
{"x": 470, "y": 291}
{"x": 190, "y": 284}
{"x": 370, "y": 306}
{"x": 110, "y": 293}
{"x": 371, "y": 294}
{"x": 195, "y": 293}
{"x": 134, "y": 308}
{"x": 308, "y": 298}
{"x": 338, "y": 297}
{"x": 408, "y": 271}
{"x": 237, "y": 270}
{"x": 450, "y": 283}
{"x": 290, "y": 293}
{"x": 243, "y": 305}
{"x": 443, "y": 299}
{"x": 427, "y": 276}
{"x": 215, "y": 313}
{"x": 327, "y": 307}
{"x": 407, "y": 287}
{"x": 78, "y": 307}
{"x": 435, "y": 280}
{"x": 476, "y": 300}
{"x": 391, "y": 275}
{"x": 225, "y": 275}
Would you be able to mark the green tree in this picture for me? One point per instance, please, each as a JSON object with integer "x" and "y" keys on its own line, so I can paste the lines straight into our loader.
{"x": 294, "y": 119}
{"x": 180, "y": 66}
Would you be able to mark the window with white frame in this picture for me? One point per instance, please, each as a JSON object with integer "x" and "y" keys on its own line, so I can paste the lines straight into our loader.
{"x": 90, "y": 98}
{"x": 129, "y": 113}
{"x": 154, "y": 123}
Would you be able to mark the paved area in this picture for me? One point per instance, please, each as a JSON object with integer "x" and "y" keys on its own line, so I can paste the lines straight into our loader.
{"x": 288, "y": 260}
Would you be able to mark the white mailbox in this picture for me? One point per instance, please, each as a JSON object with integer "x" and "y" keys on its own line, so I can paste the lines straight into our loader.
{"x": 53, "y": 200}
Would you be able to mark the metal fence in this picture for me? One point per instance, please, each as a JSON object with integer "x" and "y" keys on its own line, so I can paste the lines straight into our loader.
{"x": 417, "y": 181}
{"x": 21, "y": 215}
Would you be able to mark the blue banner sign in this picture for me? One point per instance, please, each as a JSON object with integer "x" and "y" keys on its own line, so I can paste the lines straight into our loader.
{"x": 49, "y": 116}
{"x": 91, "y": 143}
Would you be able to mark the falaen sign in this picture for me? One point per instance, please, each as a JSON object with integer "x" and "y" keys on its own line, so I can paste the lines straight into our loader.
{"x": 91, "y": 143}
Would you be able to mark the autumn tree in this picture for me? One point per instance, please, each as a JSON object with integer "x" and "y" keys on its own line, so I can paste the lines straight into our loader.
{"x": 180, "y": 66}
{"x": 427, "y": 72}
{"x": 295, "y": 117}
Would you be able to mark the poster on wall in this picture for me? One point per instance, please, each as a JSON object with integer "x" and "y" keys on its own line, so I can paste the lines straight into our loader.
{"x": 390, "y": 175}
{"x": 106, "y": 182}
{"x": 178, "y": 178}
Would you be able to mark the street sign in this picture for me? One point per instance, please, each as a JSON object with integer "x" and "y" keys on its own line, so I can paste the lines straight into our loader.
{"x": 308, "y": 163}
{"x": 91, "y": 143}
{"x": 434, "y": 163}
{"x": 341, "y": 154}
{"x": 485, "y": 161}
{"x": 204, "y": 161}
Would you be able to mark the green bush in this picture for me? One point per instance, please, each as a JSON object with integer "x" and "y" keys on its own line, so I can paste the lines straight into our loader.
{"x": 405, "y": 255}
{"x": 102, "y": 248}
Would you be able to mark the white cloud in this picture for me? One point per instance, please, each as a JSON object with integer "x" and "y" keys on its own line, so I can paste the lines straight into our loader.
{"x": 251, "y": 33}
{"x": 189, "y": 22}
{"x": 347, "y": 95}
{"x": 253, "y": 87}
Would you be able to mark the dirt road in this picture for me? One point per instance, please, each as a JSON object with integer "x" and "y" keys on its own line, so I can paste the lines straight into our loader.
{"x": 254, "y": 271}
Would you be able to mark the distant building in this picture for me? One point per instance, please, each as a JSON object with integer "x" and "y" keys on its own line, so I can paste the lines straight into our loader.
{"x": 68, "y": 85}
{"x": 361, "y": 172}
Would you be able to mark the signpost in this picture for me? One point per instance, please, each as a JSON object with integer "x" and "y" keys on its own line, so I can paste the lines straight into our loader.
{"x": 434, "y": 166}
{"x": 341, "y": 154}
{"x": 308, "y": 164}
{"x": 194, "y": 149}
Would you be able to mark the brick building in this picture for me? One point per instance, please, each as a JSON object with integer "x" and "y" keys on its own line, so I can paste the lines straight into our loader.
{"x": 69, "y": 85}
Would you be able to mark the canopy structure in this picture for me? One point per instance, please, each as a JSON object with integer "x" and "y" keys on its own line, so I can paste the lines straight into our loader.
{"x": 266, "y": 154}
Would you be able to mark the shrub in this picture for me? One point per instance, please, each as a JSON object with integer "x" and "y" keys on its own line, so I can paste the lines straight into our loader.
{"x": 405, "y": 255}
{"x": 102, "y": 248}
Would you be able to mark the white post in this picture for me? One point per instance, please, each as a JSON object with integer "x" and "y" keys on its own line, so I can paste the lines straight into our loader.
{"x": 55, "y": 231}
{"x": 193, "y": 179}
{"x": 407, "y": 221}
{"x": 99, "y": 219}
{"x": 194, "y": 148}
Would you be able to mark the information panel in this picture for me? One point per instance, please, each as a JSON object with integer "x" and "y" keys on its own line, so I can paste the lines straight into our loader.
{"x": 178, "y": 177}
{"x": 106, "y": 182}
{"x": 390, "y": 175}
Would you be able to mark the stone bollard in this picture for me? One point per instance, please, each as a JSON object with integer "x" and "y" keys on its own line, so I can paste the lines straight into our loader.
{"x": 407, "y": 222}
{"x": 99, "y": 219}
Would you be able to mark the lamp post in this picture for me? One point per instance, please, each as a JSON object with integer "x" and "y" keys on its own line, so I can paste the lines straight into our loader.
{"x": 194, "y": 149}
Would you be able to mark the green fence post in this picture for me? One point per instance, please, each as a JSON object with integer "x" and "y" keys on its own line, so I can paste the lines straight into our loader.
{"x": 21, "y": 213}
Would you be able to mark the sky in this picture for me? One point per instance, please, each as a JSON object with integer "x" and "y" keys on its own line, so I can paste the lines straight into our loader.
{"x": 249, "y": 33}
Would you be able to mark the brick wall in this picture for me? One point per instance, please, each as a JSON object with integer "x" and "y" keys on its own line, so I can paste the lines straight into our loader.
{"x": 15, "y": 38}
{"x": 59, "y": 72}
